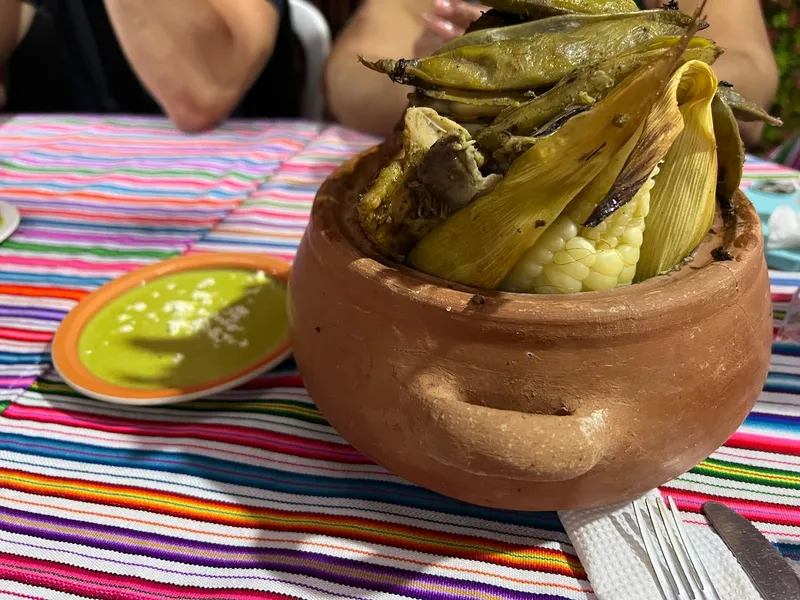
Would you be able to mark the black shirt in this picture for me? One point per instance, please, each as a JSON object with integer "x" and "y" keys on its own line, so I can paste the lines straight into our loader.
{"x": 70, "y": 61}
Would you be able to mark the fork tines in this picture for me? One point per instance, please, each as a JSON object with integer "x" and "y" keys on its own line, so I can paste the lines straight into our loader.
{"x": 677, "y": 567}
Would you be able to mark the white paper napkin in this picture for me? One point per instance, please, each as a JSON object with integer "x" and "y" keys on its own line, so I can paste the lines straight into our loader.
{"x": 610, "y": 547}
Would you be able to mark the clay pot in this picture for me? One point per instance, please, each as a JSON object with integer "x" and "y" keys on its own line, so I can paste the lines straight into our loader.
{"x": 523, "y": 401}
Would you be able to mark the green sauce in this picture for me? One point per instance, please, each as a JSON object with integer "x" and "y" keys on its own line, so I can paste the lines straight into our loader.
{"x": 186, "y": 329}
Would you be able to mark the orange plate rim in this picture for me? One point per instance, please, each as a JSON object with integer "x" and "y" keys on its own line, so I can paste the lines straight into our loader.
{"x": 74, "y": 372}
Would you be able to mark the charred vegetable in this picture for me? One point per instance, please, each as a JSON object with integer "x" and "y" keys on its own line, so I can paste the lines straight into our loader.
{"x": 403, "y": 203}
{"x": 479, "y": 244}
{"x": 730, "y": 149}
{"x": 467, "y": 106}
{"x": 744, "y": 109}
{"x": 526, "y": 63}
{"x": 584, "y": 150}
{"x": 494, "y": 18}
{"x": 560, "y": 24}
{"x": 584, "y": 87}
{"x": 535, "y": 9}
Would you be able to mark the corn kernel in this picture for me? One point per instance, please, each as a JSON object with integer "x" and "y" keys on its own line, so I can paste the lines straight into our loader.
{"x": 609, "y": 263}
{"x": 629, "y": 254}
{"x": 576, "y": 270}
{"x": 559, "y": 279}
{"x": 570, "y": 258}
{"x": 562, "y": 258}
{"x": 597, "y": 282}
{"x": 633, "y": 236}
{"x": 627, "y": 275}
{"x": 541, "y": 255}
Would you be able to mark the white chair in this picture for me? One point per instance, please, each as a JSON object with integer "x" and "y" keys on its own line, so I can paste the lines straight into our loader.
{"x": 312, "y": 30}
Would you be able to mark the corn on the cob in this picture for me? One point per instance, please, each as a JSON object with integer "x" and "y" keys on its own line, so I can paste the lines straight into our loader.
{"x": 569, "y": 258}
{"x": 482, "y": 242}
{"x": 596, "y": 190}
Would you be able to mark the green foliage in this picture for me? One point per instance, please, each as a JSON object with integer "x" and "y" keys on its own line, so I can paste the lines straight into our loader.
{"x": 783, "y": 22}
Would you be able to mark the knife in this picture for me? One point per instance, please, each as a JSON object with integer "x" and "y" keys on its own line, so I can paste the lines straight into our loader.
{"x": 767, "y": 569}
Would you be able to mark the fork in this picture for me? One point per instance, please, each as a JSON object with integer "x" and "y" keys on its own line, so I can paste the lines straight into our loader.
{"x": 679, "y": 572}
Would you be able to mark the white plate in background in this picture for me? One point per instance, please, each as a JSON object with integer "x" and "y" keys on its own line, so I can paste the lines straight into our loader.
{"x": 9, "y": 220}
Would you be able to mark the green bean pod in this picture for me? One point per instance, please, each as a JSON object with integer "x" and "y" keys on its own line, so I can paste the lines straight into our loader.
{"x": 730, "y": 149}
{"x": 730, "y": 166}
{"x": 494, "y": 18}
{"x": 536, "y": 9}
{"x": 527, "y": 63}
{"x": 744, "y": 109}
{"x": 585, "y": 86}
{"x": 560, "y": 23}
{"x": 467, "y": 106}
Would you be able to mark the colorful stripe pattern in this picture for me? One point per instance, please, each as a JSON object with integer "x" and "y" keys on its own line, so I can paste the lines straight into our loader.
{"x": 249, "y": 494}
{"x": 757, "y": 169}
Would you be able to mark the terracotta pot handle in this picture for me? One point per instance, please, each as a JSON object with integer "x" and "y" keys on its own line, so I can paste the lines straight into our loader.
{"x": 509, "y": 444}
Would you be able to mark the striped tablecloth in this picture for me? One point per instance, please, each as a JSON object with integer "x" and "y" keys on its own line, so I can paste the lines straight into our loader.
{"x": 251, "y": 494}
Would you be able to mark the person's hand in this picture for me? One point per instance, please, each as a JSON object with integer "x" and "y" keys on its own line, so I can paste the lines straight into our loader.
{"x": 449, "y": 19}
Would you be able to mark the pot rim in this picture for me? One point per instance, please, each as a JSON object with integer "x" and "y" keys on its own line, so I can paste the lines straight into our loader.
{"x": 701, "y": 286}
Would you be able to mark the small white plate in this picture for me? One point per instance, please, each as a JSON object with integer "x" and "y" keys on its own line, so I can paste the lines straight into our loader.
{"x": 9, "y": 220}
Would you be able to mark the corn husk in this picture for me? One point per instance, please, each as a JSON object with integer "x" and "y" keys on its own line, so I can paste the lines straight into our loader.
{"x": 683, "y": 200}
{"x": 479, "y": 244}
{"x": 662, "y": 127}
{"x": 527, "y": 272}
{"x": 527, "y": 63}
{"x": 560, "y": 23}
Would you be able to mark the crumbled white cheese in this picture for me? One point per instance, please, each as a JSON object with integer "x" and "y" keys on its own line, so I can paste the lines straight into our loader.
{"x": 181, "y": 308}
{"x": 139, "y": 307}
{"x": 127, "y": 328}
{"x": 207, "y": 282}
{"x": 170, "y": 287}
{"x": 178, "y": 358}
{"x": 204, "y": 298}
{"x": 121, "y": 318}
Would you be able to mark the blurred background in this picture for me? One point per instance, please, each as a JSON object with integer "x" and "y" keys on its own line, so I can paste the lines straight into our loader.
{"x": 783, "y": 20}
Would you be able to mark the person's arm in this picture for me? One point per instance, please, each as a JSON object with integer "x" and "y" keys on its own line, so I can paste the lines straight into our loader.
{"x": 737, "y": 26}
{"x": 369, "y": 101}
{"x": 197, "y": 58}
{"x": 15, "y": 20}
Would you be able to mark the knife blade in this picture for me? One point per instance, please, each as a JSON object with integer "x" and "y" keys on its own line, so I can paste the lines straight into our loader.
{"x": 767, "y": 569}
